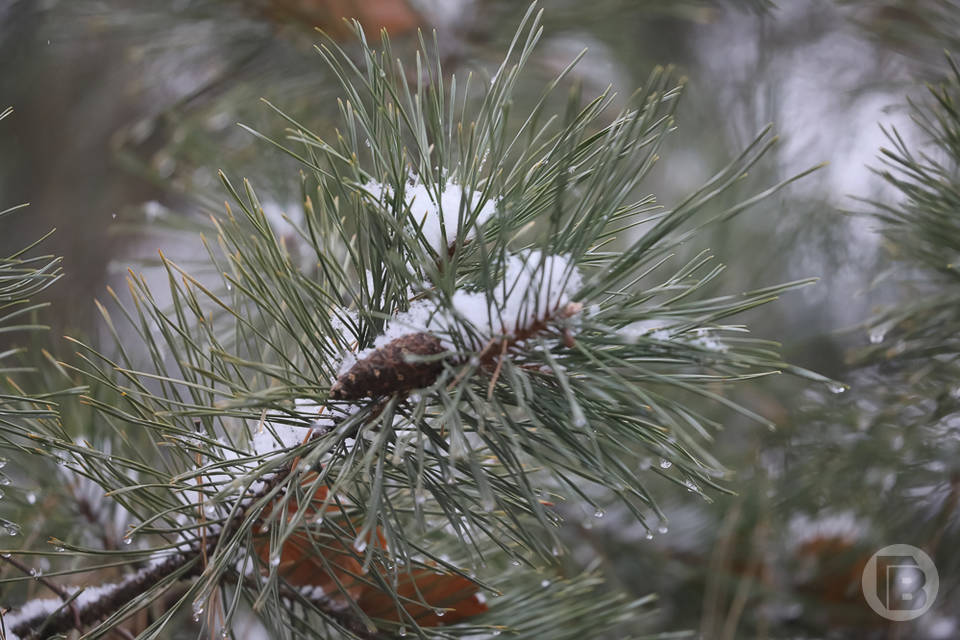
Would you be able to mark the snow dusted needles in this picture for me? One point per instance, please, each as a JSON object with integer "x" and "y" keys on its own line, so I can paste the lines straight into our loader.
{"x": 436, "y": 212}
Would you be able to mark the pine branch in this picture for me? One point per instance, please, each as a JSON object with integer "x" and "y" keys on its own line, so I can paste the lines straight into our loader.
{"x": 432, "y": 397}
{"x": 182, "y": 565}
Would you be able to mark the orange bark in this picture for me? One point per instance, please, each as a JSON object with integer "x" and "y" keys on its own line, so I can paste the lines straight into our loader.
{"x": 430, "y": 597}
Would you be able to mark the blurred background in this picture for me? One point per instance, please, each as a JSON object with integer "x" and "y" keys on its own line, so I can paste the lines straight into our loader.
{"x": 126, "y": 109}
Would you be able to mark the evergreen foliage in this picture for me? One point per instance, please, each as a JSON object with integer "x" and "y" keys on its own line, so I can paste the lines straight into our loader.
{"x": 453, "y": 353}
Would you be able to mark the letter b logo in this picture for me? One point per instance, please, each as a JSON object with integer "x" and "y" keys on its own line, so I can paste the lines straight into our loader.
{"x": 900, "y": 582}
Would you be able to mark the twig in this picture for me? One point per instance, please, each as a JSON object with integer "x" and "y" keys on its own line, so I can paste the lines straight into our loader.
{"x": 140, "y": 582}
{"x": 49, "y": 584}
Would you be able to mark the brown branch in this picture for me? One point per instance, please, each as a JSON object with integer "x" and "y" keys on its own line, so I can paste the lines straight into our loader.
{"x": 134, "y": 585}
{"x": 140, "y": 582}
{"x": 49, "y": 584}
{"x": 408, "y": 362}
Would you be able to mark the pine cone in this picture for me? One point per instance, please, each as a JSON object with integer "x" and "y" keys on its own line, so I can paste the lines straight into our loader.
{"x": 388, "y": 370}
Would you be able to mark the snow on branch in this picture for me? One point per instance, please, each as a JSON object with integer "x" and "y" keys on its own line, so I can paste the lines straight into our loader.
{"x": 437, "y": 212}
{"x": 535, "y": 291}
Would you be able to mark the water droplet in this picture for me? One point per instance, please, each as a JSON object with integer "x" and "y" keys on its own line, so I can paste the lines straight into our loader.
{"x": 5, "y": 555}
{"x": 649, "y": 535}
{"x": 662, "y": 529}
{"x": 36, "y": 573}
{"x": 645, "y": 464}
{"x": 598, "y": 513}
{"x": 515, "y": 562}
{"x": 665, "y": 464}
{"x": 402, "y": 632}
{"x": 114, "y": 216}
{"x": 3, "y": 462}
{"x": 360, "y": 544}
{"x": 31, "y": 498}
{"x": 877, "y": 335}
{"x": 128, "y": 540}
{"x": 275, "y": 560}
{"x": 440, "y": 613}
{"x": 197, "y": 610}
{"x": 544, "y": 583}
{"x": 836, "y": 387}
{"x": 11, "y": 529}
{"x": 5, "y": 481}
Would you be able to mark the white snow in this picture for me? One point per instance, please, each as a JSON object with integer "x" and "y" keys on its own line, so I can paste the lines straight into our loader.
{"x": 533, "y": 288}
{"x": 438, "y": 214}
{"x": 844, "y": 525}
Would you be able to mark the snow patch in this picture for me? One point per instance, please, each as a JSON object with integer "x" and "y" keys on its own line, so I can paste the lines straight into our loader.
{"x": 437, "y": 215}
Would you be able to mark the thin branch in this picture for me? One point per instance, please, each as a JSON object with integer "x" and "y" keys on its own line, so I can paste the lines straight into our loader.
{"x": 49, "y": 584}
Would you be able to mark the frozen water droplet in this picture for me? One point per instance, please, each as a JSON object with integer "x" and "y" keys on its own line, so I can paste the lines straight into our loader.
{"x": 662, "y": 529}
{"x": 836, "y": 387}
{"x": 598, "y": 513}
{"x": 665, "y": 464}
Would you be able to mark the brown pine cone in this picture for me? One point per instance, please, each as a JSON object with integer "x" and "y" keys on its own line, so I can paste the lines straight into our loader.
{"x": 387, "y": 370}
